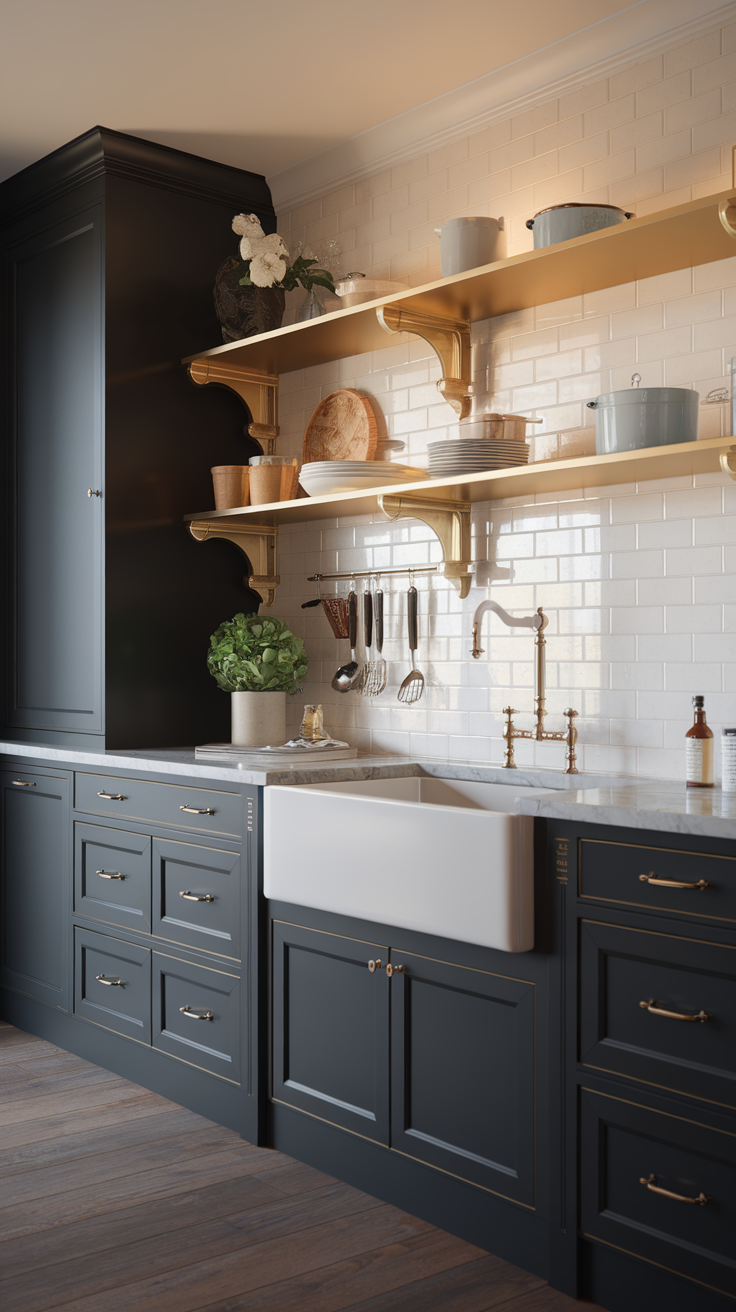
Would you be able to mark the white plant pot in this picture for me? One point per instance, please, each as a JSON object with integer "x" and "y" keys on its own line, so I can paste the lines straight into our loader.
{"x": 258, "y": 719}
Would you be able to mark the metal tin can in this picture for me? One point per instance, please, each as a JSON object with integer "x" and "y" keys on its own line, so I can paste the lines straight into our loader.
{"x": 728, "y": 760}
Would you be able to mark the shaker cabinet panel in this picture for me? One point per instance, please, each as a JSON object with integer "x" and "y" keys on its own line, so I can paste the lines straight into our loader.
{"x": 659, "y": 1008}
{"x": 112, "y": 876}
{"x": 112, "y": 984}
{"x": 462, "y": 1072}
{"x": 660, "y": 1187}
{"x": 664, "y": 880}
{"x": 35, "y": 885}
{"x": 55, "y": 561}
{"x": 196, "y": 896}
{"x": 330, "y": 1028}
{"x": 196, "y": 1015}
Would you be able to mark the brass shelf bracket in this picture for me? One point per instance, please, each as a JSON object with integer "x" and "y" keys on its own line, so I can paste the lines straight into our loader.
{"x": 450, "y": 523}
{"x": 449, "y": 339}
{"x": 257, "y": 543}
{"x": 258, "y": 391}
{"x": 728, "y": 463}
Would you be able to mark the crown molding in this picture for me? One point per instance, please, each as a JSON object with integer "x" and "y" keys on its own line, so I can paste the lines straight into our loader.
{"x": 645, "y": 28}
{"x": 102, "y": 152}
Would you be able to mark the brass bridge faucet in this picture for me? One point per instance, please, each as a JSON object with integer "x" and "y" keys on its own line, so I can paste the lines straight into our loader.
{"x": 538, "y": 622}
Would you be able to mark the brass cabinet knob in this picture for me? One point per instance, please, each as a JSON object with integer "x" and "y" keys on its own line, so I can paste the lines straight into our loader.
{"x": 373, "y": 966}
{"x": 394, "y": 970}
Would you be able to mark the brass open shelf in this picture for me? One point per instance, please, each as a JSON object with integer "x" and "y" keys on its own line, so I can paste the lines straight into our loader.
{"x": 671, "y": 239}
{"x": 521, "y": 481}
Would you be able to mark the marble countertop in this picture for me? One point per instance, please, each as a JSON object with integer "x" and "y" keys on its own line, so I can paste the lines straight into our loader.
{"x": 642, "y": 804}
{"x": 181, "y": 761}
{"x": 595, "y": 799}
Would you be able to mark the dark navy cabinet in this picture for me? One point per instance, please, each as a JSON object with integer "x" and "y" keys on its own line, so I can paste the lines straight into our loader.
{"x": 108, "y": 253}
{"x": 146, "y": 931}
{"x": 36, "y": 885}
{"x": 417, "y": 1069}
{"x": 646, "y": 1101}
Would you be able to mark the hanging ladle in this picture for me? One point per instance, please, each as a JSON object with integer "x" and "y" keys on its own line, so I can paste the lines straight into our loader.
{"x": 347, "y": 676}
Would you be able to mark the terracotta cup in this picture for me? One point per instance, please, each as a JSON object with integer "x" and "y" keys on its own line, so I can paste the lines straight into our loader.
{"x": 265, "y": 484}
{"x": 231, "y": 484}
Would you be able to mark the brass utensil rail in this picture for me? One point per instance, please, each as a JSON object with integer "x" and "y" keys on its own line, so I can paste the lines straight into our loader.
{"x": 372, "y": 573}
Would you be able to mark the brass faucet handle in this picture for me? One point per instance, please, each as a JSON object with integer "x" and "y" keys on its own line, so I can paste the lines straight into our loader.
{"x": 569, "y": 713}
{"x": 509, "y": 710}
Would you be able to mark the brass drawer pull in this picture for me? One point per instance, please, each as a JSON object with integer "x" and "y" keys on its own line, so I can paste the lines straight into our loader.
{"x": 196, "y": 1013}
{"x": 654, "y": 1188}
{"x": 110, "y": 874}
{"x": 23, "y": 783}
{"x": 672, "y": 1015}
{"x": 102, "y": 979}
{"x": 194, "y": 897}
{"x": 394, "y": 970}
{"x": 373, "y": 966}
{"x": 193, "y": 810}
{"x": 113, "y": 797}
{"x": 651, "y": 878}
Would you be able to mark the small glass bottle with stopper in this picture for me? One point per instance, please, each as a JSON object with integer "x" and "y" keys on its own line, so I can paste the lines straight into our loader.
{"x": 699, "y": 750}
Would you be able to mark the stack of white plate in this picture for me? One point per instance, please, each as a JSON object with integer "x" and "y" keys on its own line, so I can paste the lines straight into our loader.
{"x": 321, "y": 478}
{"x": 472, "y": 455}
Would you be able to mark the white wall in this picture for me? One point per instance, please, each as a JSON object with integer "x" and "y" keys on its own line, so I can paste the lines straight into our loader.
{"x": 639, "y": 582}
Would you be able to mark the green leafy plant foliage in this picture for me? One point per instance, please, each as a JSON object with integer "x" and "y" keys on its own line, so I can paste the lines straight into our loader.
{"x": 251, "y": 653}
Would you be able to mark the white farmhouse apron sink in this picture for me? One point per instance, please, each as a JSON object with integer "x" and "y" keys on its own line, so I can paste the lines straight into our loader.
{"x": 445, "y": 857}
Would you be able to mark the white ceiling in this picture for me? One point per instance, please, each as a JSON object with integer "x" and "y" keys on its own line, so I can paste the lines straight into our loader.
{"x": 262, "y": 86}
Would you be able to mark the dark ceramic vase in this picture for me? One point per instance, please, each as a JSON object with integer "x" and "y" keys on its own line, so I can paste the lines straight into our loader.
{"x": 245, "y": 311}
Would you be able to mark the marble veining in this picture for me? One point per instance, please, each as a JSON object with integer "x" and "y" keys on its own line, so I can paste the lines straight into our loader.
{"x": 668, "y": 807}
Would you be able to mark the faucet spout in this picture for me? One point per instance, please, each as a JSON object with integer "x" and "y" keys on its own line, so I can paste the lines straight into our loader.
{"x": 537, "y": 621}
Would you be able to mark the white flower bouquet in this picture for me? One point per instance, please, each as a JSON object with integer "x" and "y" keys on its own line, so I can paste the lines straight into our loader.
{"x": 265, "y": 260}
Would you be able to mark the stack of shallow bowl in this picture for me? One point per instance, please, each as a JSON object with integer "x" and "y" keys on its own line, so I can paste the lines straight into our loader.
{"x": 322, "y": 478}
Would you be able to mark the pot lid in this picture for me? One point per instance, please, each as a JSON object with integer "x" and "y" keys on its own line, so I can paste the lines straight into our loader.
{"x": 650, "y": 396}
{"x": 581, "y": 205}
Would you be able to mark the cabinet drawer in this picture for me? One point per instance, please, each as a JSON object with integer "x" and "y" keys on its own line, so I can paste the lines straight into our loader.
{"x": 624, "y": 1145}
{"x": 206, "y": 810}
{"x": 112, "y": 876}
{"x": 196, "y": 1015}
{"x": 621, "y": 969}
{"x": 196, "y": 896}
{"x": 620, "y": 873}
{"x": 123, "y": 1005}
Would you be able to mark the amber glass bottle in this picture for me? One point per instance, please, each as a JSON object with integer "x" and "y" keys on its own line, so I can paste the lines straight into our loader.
{"x": 699, "y": 750}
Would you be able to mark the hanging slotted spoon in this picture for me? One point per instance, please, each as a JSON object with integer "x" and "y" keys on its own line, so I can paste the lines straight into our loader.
{"x": 380, "y": 669}
{"x": 413, "y": 685}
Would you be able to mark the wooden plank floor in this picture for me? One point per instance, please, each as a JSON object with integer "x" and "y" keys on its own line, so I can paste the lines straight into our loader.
{"x": 112, "y": 1197}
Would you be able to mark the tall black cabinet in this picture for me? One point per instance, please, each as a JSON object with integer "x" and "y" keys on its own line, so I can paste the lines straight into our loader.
{"x": 109, "y": 250}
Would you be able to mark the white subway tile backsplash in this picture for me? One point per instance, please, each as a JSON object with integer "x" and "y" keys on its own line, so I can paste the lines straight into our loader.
{"x": 638, "y": 582}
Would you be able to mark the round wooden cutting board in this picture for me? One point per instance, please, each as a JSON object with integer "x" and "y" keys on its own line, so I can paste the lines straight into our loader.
{"x": 343, "y": 427}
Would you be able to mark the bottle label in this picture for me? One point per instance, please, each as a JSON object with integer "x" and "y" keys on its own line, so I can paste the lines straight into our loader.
{"x": 728, "y": 762}
{"x": 699, "y": 760}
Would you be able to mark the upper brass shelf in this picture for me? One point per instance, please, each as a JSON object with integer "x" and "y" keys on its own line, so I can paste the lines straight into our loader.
{"x": 658, "y": 243}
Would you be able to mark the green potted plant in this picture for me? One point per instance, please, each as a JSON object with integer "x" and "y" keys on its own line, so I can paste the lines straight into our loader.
{"x": 257, "y": 659}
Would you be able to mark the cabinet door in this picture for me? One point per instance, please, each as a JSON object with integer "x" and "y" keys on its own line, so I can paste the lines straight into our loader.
{"x": 330, "y": 1028}
{"x": 462, "y": 1073}
{"x": 55, "y": 565}
{"x": 36, "y": 885}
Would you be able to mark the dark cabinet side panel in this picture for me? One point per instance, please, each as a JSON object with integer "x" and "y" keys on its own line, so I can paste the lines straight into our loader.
{"x": 330, "y": 1028}
{"x": 55, "y": 567}
{"x": 35, "y": 885}
{"x": 462, "y": 1073}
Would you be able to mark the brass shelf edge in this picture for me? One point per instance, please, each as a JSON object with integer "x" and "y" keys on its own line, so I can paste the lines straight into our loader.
{"x": 449, "y": 521}
{"x": 450, "y": 341}
{"x": 258, "y": 391}
{"x": 257, "y": 543}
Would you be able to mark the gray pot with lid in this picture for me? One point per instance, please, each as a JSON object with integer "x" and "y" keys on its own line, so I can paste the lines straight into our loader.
{"x": 639, "y": 417}
{"x": 562, "y": 222}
